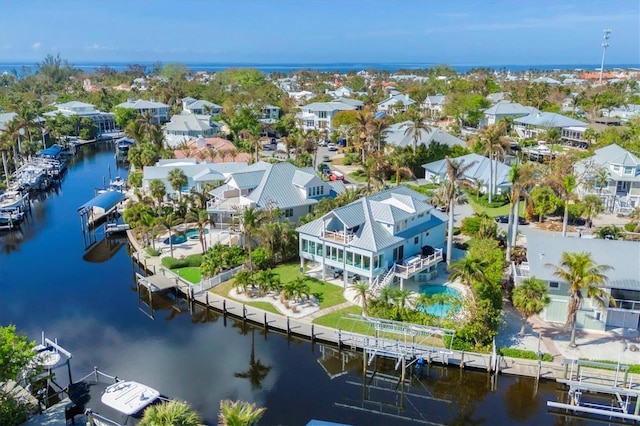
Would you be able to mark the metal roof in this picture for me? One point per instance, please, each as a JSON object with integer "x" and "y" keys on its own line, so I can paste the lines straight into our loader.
{"x": 105, "y": 201}
{"x": 52, "y": 151}
{"x": 397, "y": 135}
{"x": 510, "y": 108}
{"x": 549, "y": 119}
{"x": 623, "y": 256}
{"x": 481, "y": 170}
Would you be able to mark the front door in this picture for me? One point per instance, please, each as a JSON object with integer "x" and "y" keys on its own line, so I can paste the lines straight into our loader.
{"x": 398, "y": 253}
{"x": 622, "y": 187}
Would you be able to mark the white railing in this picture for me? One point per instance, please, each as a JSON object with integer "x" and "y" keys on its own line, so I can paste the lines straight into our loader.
{"x": 339, "y": 236}
{"x": 379, "y": 284}
{"x": 206, "y": 284}
{"x": 418, "y": 263}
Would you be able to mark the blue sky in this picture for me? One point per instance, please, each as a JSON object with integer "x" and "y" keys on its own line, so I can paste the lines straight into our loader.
{"x": 456, "y": 32}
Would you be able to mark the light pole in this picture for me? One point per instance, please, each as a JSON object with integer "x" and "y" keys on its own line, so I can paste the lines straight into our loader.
{"x": 605, "y": 44}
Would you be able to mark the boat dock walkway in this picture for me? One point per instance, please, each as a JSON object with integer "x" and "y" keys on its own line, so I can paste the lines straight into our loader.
{"x": 305, "y": 328}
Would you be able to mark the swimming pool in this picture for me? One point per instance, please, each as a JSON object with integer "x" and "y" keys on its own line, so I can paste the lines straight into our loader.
{"x": 190, "y": 234}
{"x": 439, "y": 309}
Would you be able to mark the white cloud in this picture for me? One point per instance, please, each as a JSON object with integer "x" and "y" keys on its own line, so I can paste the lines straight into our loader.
{"x": 36, "y": 45}
{"x": 96, "y": 46}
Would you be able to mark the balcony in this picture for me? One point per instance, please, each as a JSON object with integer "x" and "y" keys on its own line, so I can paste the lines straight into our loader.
{"x": 227, "y": 205}
{"x": 417, "y": 264}
{"x": 338, "y": 236}
{"x": 520, "y": 272}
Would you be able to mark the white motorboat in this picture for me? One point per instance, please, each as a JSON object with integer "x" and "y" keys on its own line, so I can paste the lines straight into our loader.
{"x": 14, "y": 199}
{"x": 129, "y": 397}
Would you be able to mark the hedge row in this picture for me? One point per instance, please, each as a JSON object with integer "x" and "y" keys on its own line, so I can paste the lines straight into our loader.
{"x": 633, "y": 368}
{"x": 194, "y": 260}
{"x": 524, "y": 354}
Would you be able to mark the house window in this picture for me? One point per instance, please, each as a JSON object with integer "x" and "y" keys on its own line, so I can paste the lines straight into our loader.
{"x": 367, "y": 263}
{"x": 421, "y": 215}
{"x": 322, "y": 114}
{"x": 288, "y": 213}
{"x": 309, "y": 123}
{"x": 616, "y": 168}
{"x": 415, "y": 240}
{"x": 554, "y": 284}
{"x": 426, "y": 234}
{"x": 311, "y": 208}
{"x": 305, "y": 245}
{"x": 628, "y": 170}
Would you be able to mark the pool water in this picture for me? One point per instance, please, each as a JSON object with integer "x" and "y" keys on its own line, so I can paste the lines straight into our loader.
{"x": 190, "y": 234}
{"x": 438, "y": 309}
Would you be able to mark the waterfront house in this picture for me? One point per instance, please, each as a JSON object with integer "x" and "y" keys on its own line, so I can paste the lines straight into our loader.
{"x": 623, "y": 281}
{"x": 198, "y": 174}
{"x": 397, "y": 135}
{"x": 394, "y": 234}
{"x": 504, "y": 109}
{"x": 537, "y": 124}
{"x": 158, "y": 110}
{"x": 294, "y": 191}
{"x": 621, "y": 193}
{"x": 479, "y": 174}
{"x": 319, "y": 115}
{"x": 104, "y": 121}
{"x": 395, "y": 103}
{"x": 340, "y": 92}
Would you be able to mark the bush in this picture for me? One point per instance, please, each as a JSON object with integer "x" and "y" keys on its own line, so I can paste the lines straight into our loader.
{"x": 135, "y": 179}
{"x": 351, "y": 158}
{"x": 630, "y": 227}
{"x": 170, "y": 262}
{"x": 194, "y": 260}
{"x": 523, "y": 354}
{"x": 458, "y": 344}
{"x": 497, "y": 201}
{"x": 152, "y": 252}
{"x": 261, "y": 259}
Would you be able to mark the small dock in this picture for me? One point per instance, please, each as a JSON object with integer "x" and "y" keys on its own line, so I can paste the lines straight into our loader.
{"x": 158, "y": 282}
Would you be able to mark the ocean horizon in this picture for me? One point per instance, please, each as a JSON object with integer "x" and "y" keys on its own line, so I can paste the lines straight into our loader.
{"x": 340, "y": 67}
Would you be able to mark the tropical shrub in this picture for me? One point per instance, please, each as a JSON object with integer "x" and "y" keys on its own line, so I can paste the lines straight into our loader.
{"x": 524, "y": 354}
{"x": 351, "y": 158}
{"x": 194, "y": 260}
{"x": 261, "y": 259}
{"x": 220, "y": 257}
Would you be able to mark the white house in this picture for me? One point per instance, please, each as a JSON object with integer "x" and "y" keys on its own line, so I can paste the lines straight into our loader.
{"x": 340, "y": 92}
{"x": 434, "y": 104}
{"x": 396, "y": 102}
{"x": 478, "y": 174}
{"x": 397, "y": 135}
{"x": 623, "y": 281}
{"x": 104, "y": 121}
{"x": 295, "y": 191}
{"x": 621, "y": 193}
{"x": 198, "y": 174}
{"x": 200, "y": 107}
{"x": 535, "y": 124}
{"x": 394, "y": 234}
{"x": 319, "y": 115}
{"x": 187, "y": 126}
{"x": 158, "y": 110}
{"x": 504, "y": 109}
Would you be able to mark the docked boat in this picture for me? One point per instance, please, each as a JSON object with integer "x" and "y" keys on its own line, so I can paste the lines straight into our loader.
{"x": 13, "y": 199}
{"x": 123, "y": 145}
{"x": 115, "y": 228}
{"x": 105, "y": 400}
{"x": 10, "y": 218}
{"x": 118, "y": 184}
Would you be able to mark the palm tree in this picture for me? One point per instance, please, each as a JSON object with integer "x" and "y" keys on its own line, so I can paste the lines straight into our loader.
{"x": 146, "y": 121}
{"x": 584, "y": 276}
{"x": 493, "y": 144}
{"x": 593, "y": 206}
{"x": 239, "y": 413}
{"x": 201, "y": 219}
{"x": 167, "y": 223}
{"x": 250, "y": 221}
{"x": 565, "y": 190}
{"x": 415, "y": 126}
{"x": 455, "y": 173}
{"x": 257, "y": 371}
{"x": 601, "y": 179}
{"x": 177, "y": 180}
{"x": 530, "y": 298}
{"x": 362, "y": 294}
{"x": 172, "y": 413}
{"x": 524, "y": 179}
{"x": 467, "y": 270}
{"x": 158, "y": 191}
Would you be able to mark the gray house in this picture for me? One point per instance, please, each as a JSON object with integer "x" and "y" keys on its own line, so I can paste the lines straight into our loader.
{"x": 397, "y": 135}
{"x": 504, "y": 109}
{"x": 295, "y": 191}
{"x": 623, "y": 281}
{"x": 394, "y": 234}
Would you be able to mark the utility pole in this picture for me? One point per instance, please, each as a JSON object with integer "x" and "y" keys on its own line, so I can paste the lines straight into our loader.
{"x": 605, "y": 44}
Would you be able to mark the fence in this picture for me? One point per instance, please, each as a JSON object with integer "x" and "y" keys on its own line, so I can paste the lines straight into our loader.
{"x": 208, "y": 283}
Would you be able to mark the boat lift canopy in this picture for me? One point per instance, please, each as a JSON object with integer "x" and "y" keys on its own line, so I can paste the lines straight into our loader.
{"x": 104, "y": 202}
{"x": 51, "y": 152}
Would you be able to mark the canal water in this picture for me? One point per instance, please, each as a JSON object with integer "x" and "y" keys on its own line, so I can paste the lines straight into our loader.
{"x": 88, "y": 301}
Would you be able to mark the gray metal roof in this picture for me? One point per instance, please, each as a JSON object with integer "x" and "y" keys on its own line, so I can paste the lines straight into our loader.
{"x": 371, "y": 214}
{"x": 397, "y": 135}
{"x": 276, "y": 188}
{"x": 510, "y": 108}
{"x": 549, "y": 119}
{"x": 246, "y": 179}
{"x": 328, "y": 106}
{"x": 623, "y": 256}
{"x": 615, "y": 154}
{"x": 481, "y": 170}
{"x": 142, "y": 104}
{"x": 186, "y": 123}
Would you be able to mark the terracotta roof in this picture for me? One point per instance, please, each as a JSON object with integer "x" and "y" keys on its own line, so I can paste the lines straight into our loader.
{"x": 203, "y": 153}
{"x": 596, "y": 75}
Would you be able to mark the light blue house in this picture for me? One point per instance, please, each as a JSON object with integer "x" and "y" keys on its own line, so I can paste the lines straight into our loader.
{"x": 394, "y": 234}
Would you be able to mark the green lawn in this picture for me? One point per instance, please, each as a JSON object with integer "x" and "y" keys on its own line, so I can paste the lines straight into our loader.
{"x": 331, "y": 295}
{"x": 357, "y": 177}
{"x": 333, "y": 319}
{"x": 493, "y": 212}
{"x": 189, "y": 273}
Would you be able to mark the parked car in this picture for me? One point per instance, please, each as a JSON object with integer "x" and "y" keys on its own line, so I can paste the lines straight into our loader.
{"x": 324, "y": 169}
{"x": 505, "y": 219}
{"x": 332, "y": 147}
{"x": 323, "y": 142}
{"x": 335, "y": 175}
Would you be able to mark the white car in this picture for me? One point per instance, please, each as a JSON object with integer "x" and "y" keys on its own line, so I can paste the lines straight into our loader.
{"x": 332, "y": 147}
{"x": 323, "y": 142}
